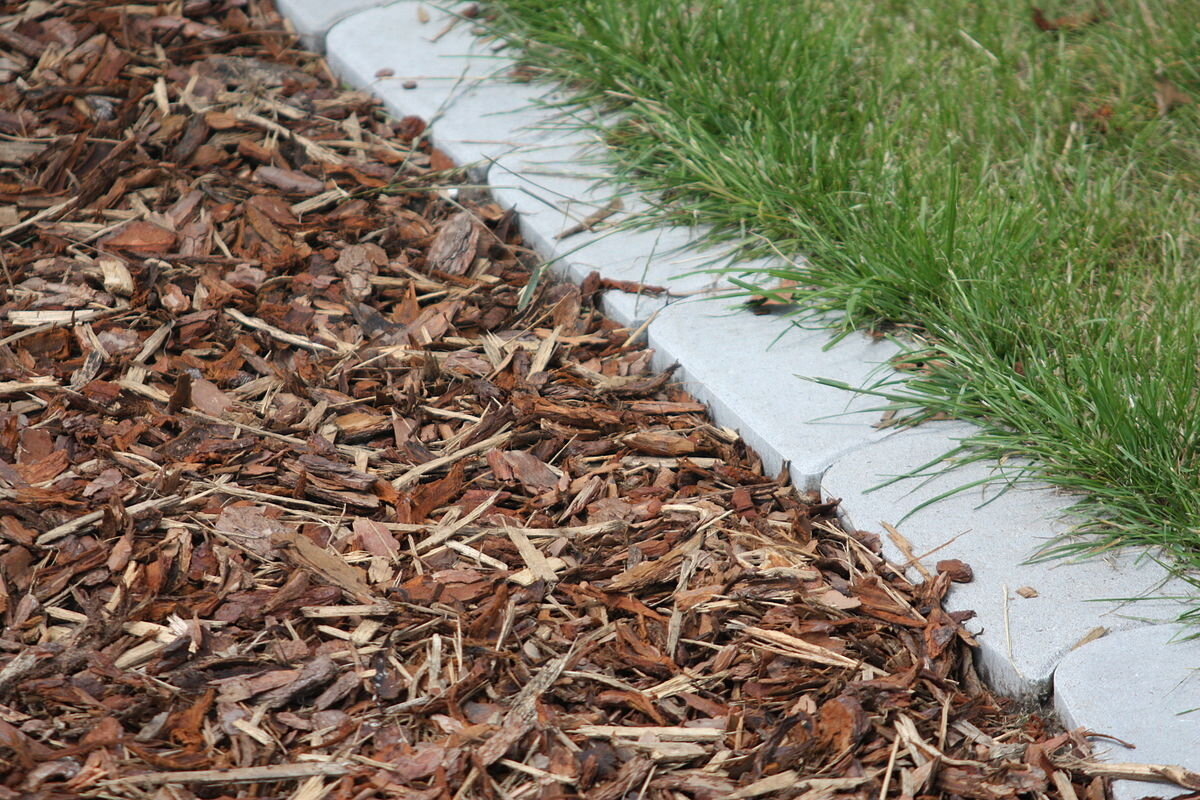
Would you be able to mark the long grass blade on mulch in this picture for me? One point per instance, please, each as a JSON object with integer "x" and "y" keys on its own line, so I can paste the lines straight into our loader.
{"x": 294, "y": 503}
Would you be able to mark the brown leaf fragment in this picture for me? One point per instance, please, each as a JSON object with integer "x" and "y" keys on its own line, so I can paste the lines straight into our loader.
{"x": 1168, "y": 96}
{"x": 454, "y": 246}
{"x": 1067, "y": 22}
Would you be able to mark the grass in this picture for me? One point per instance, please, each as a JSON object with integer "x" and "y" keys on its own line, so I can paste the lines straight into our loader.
{"x": 1022, "y": 201}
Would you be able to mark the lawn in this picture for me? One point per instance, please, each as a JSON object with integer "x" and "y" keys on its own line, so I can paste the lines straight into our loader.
{"x": 1011, "y": 189}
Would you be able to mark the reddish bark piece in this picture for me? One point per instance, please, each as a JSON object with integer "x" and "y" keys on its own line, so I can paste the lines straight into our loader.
{"x": 289, "y": 180}
{"x": 959, "y": 571}
{"x": 140, "y": 237}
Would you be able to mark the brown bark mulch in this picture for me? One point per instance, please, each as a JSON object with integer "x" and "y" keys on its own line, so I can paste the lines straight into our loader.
{"x": 295, "y": 503}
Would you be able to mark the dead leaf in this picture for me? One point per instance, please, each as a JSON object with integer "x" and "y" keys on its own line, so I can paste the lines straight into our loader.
{"x": 1067, "y": 22}
{"x": 1168, "y": 96}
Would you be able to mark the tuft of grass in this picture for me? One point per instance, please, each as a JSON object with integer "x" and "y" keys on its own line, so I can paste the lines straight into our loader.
{"x": 1021, "y": 200}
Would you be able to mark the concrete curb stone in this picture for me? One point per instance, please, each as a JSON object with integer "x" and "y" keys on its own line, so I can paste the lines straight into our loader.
{"x": 996, "y": 529}
{"x": 1030, "y": 647}
{"x": 312, "y": 20}
{"x": 1108, "y": 687}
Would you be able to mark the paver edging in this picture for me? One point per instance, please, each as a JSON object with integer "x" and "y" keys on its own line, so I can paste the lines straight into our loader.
{"x": 367, "y": 43}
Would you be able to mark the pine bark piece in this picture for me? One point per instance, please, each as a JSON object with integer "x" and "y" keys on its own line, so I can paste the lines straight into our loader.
{"x": 454, "y": 246}
{"x": 522, "y": 714}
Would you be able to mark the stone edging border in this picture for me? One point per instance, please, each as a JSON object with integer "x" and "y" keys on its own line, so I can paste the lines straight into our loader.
{"x": 1044, "y": 629}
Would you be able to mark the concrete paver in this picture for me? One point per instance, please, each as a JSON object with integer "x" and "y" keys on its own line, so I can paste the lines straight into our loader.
{"x": 453, "y": 77}
{"x": 312, "y": 19}
{"x": 558, "y": 186}
{"x": 1021, "y": 639}
{"x": 1112, "y": 687}
{"x": 749, "y": 369}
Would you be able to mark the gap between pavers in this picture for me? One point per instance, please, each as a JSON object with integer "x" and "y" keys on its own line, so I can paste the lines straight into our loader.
{"x": 733, "y": 362}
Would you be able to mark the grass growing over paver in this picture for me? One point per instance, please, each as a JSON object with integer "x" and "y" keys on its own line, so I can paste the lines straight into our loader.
{"x": 1023, "y": 201}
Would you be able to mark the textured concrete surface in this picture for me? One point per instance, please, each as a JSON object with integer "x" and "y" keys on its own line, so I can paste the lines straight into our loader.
{"x": 1021, "y": 639}
{"x": 557, "y": 186}
{"x": 312, "y": 19}
{"x": 749, "y": 370}
{"x": 459, "y": 84}
{"x": 1031, "y": 617}
{"x": 1111, "y": 687}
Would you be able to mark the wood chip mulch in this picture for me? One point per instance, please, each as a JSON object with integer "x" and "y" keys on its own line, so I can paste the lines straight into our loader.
{"x": 294, "y": 502}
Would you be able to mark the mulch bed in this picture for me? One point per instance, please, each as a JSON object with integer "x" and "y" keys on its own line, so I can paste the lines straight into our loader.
{"x": 294, "y": 502}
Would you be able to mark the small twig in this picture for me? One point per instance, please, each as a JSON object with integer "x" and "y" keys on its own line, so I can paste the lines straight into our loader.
{"x": 272, "y": 772}
{"x": 1007, "y": 625}
{"x": 590, "y": 222}
{"x": 906, "y": 548}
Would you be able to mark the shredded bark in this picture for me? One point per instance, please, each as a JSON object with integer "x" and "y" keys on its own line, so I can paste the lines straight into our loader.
{"x": 294, "y": 502}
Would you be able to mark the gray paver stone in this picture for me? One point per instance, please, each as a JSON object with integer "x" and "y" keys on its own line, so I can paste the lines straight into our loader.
{"x": 312, "y": 19}
{"x": 748, "y": 373}
{"x": 558, "y": 188}
{"x": 460, "y": 85}
{"x": 1021, "y": 639}
{"x": 1138, "y": 686}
